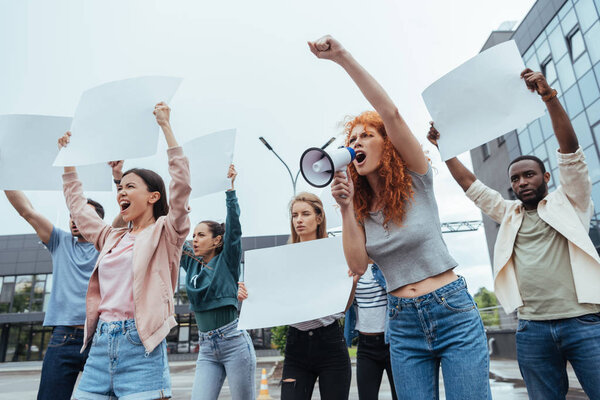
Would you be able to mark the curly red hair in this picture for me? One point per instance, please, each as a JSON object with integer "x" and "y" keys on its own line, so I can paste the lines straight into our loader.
{"x": 395, "y": 179}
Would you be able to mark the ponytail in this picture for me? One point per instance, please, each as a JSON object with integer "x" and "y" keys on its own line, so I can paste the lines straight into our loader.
{"x": 216, "y": 229}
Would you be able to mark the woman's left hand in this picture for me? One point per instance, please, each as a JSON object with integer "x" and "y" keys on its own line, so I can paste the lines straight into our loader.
{"x": 242, "y": 292}
{"x": 232, "y": 174}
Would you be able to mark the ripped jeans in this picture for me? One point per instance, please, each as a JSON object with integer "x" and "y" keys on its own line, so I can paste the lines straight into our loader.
{"x": 316, "y": 353}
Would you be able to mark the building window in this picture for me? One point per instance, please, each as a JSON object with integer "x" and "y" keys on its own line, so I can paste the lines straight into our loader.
{"x": 549, "y": 70}
{"x": 501, "y": 140}
{"x": 576, "y": 43}
{"x": 25, "y": 293}
{"x": 485, "y": 150}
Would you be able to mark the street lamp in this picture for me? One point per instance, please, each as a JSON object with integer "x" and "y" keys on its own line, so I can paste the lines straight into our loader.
{"x": 294, "y": 179}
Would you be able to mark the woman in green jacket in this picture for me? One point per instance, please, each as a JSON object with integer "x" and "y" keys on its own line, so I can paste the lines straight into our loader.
{"x": 212, "y": 266}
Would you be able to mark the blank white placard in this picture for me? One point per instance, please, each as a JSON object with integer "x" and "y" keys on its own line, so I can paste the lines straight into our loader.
{"x": 28, "y": 146}
{"x": 295, "y": 283}
{"x": 210, "y": 156}
{"x": 114, "y": 121}
{"x": 481, "y": 100}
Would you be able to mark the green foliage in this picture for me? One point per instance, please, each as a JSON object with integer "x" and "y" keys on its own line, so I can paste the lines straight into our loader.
{"x": 279, "y": 337}
{"x": 484, "y": 299}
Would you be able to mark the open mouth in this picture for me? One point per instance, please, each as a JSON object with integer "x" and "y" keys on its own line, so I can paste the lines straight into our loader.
{"x": 124, "y": 204}
{"x": 360, "y": 157}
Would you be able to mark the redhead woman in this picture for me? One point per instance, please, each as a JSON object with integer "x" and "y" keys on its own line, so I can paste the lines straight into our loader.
{"x": 129, "y": 302}
{"x": 390, "y": 215}
{"x": 212, "y": 266}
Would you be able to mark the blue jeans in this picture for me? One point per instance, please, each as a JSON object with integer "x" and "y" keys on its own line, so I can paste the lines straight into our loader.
{"x": 119, "y": 366}
{"x": 226, "y": 351}
{"x": 62, "y": 363}
{"x": 544, "y": 347}
{"x": 441, "y": 327}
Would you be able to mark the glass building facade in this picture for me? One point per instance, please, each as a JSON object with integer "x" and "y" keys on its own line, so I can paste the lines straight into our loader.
{"x": 567, "y": 52}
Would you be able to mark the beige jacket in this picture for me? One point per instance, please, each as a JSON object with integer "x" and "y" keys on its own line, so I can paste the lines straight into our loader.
{"x": 568, "y": 210}
{"x": 156, "y": 254}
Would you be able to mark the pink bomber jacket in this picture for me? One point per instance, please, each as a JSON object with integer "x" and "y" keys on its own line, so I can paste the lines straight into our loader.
{"x": 156, "y": 254}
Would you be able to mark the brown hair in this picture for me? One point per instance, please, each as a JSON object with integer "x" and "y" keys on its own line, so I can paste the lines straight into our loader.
{"x": 314, "y": 201}
{"x": 217, "y": 229}
{"x": 392, "y": 170}
{"x": 154, "y": 183}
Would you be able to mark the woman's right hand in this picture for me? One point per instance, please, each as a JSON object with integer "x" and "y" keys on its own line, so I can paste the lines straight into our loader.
{"x": 433, "y": 135}
{"x": 242, "y": 292}
{"x": 342, "y": 189}
{"x": 63, "y": 141}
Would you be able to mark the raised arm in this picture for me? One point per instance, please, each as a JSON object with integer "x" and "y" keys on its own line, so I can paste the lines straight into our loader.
{"x": 489, "y": 201}
{"x": 460, "y": 173}
{"x": 41, "y": 224}
{"x": 561, "y": 124}
{"x": 177, "y": 219}
{"x": 117, "y": 173}
{"x": 398, "y": 131}
{"x": 232, "y": 241}
{"x": 91, "y": 226}
{"x": 353, "y": 234}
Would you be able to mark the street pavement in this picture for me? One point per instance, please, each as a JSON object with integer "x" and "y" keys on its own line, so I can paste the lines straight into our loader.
{"x": 20, "y": 381}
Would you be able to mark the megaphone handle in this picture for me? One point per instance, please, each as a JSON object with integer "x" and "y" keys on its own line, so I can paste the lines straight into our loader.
{"x": 346, "y": 175}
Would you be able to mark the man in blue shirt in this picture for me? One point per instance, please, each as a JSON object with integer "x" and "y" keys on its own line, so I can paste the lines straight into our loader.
{"x": 73, "y": 260}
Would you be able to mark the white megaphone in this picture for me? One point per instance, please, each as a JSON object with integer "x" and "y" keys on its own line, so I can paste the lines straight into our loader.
{"x": 318, "y": 166}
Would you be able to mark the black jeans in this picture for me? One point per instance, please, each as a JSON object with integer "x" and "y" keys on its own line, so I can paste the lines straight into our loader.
{"x": 62, "y": 363}
{"x": 321, "y": 353}
{"x": 372, "y": 358}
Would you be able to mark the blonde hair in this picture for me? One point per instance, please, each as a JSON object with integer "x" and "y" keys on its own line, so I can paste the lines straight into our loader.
{"x": 314, "y": 201}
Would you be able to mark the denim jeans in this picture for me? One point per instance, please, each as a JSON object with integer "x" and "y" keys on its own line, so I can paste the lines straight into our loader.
{"x": 441, "y": 327}
{"x": 321, "y": 353}
{"x": 372, "y": 358}
{"x": 544, "y": 347}
{"x": 62, "y": 363}
{"x": 226, "y": 351}
{"x": 119, "y": 366}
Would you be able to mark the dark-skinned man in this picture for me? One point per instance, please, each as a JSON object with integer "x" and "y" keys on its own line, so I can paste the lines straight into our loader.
{"x": 545, "y": 264}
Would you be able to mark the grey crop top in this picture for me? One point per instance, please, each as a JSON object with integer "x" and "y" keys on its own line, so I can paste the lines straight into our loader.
{"x": 415, "y": 250}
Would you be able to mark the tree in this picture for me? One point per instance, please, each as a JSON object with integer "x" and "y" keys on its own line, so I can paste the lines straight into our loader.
{"x": 486, "y": 299}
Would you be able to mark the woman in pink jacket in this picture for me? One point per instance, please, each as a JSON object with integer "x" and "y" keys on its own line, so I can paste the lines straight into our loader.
{"x": 129, "y": 303}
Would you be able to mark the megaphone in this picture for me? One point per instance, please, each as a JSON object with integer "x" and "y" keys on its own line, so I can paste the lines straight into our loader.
{"x": 318, "y": 166}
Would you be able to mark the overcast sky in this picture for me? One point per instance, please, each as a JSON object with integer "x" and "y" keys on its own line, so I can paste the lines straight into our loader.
{"x": 246, "y": 65}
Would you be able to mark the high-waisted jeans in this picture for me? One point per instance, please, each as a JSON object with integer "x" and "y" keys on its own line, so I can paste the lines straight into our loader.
{"x": 317, "y": 353}
{"x": 441, "y": 327}
{"x": 225, "y": 352}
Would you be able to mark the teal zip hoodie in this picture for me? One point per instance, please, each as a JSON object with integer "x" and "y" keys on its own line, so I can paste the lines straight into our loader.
{"x": 215, "y": 285}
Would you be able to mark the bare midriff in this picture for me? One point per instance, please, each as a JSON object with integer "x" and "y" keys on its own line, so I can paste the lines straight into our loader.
{"x": 77, "y": 326}
{"x": 426, "y": 285}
